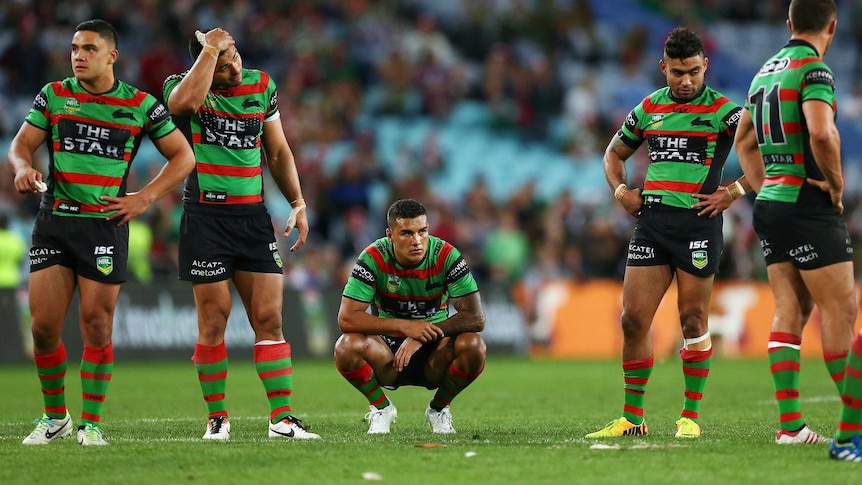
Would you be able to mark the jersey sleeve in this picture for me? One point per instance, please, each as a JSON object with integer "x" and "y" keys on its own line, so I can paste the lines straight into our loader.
{"x": 459, "y": 278}
{"x": 159, "y": 121}
{"x": 171, "y": 83}
{"x": 818, "y": 83}
{"x": 730, "y": 118}
{"x": 39, "y": 115}
{"x": 272, "y": 102}
{"x": 362, "y": 282}
{"x": 631, "y": 133}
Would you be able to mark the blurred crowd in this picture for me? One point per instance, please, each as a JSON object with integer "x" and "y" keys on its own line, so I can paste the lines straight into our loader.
{"x": 554, "y": 73}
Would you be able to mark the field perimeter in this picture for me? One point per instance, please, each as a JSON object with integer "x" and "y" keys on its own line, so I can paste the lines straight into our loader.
{"x": 522, "y": 422}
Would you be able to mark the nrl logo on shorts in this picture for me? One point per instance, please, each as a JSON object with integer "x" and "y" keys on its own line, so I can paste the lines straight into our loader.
{"x": 277, "y": 258}
{"x": 393, "y": 283}
{"x": 699, "y": 259}
{"x": 105, "y": 265}
{"x": 72, "y": 105}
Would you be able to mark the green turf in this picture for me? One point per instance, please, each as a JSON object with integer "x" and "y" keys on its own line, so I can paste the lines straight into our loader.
{"x": 524, "y": 420}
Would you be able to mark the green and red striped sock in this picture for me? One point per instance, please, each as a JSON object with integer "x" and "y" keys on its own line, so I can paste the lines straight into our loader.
{"x": 850, "y": 419}
{"x": 97, "y": 367}
{"x": 783, "y": 357}
{"x": 363, "y": 379}
{"x": 695, "y": 370}
{"x": 455, "y": 381}
{"x": 275, "y": 369}
{"x": 211, "y": 364}
{"x": 835, "y": 363}
{"x": 52, "y": 378}
{"x": 636, "y": 375}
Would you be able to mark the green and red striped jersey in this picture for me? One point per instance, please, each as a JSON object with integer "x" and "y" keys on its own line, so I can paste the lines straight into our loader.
{"x": 688, "y": 143}
{"x": 794, "y": 75}
{"x": 92, "y": 140}
{"x": 420, "y": 293}
{"x": 226, "y": 136}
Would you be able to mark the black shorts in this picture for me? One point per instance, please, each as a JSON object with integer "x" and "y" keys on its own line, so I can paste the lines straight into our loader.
{"x": 809, "y": 238}
{"x": 414, "y": 373}
{"x": 95, "y": 248}
{"x": 212, "y": 247}
{"x": 678, "y": 237}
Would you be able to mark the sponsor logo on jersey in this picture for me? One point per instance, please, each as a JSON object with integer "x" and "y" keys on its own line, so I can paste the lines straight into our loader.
{"x": 393, "y": 283}
{"x": 41, "y": 102}
{"x": 656, "y": 120}
{"x": 670, "y": 148}
{"x": 699, "y": 259}
{"x": 72, "y": 105}
{"x": 650, "y": 199}
{"x": 775, "y": 65}
{"x": 235, "y": 133}
{"x": 215, "y": 196}
{"x": 732, "y": 118}
{"x": 363, "y": 274}
{"x": 458, "y": 271}
{"x": 92, "y": 139}
{"x": 105, "y": 264}
{"x": 69, "y": 207}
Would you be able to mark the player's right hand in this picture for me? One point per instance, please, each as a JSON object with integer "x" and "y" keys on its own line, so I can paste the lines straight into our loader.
{"x": 28, "y": 181}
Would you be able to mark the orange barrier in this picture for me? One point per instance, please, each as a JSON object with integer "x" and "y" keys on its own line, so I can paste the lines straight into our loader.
{"x": 586, "y": 324}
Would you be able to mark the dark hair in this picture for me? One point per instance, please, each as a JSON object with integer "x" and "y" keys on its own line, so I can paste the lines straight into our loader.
{"x": 810, "y": 16}
{"x": 101, "y": 27}
{"x": 682, "y": 43}
{"x": 404, "y": 209}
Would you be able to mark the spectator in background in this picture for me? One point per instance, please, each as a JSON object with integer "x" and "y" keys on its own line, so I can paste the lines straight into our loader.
{"x": 24, "y": 62}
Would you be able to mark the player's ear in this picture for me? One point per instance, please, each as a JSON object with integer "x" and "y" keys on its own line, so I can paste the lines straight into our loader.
{"x": 114, "y": 55}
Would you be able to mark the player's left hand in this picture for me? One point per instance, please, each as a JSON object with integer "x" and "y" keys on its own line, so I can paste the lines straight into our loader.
{"x": 298, "y": 218}
{"x": 402, "y": 357}
{"x": 128, "y": 207}
{"x": 712, "y": 204}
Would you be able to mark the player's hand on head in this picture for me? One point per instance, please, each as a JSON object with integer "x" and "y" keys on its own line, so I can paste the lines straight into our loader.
{"x": 217, "y": 37}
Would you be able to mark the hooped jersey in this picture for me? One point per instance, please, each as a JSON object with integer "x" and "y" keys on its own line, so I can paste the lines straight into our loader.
{"x": 420, "y": 293}
{"x": 226, "y": 136}
{"x": 794, "y": 75}
{"x": 92, "y": 140}
{"x": 688, "y": 143}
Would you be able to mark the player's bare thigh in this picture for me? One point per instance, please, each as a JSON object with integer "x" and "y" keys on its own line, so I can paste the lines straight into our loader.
{"x": 98, "y": 301}
{"x": 51, "y": 291}
{"x": 643, "y": 289}
{"x": 833, "y": 290}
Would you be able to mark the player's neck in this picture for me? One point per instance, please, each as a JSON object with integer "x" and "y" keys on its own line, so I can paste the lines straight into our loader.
{"x": 101, "y": 85}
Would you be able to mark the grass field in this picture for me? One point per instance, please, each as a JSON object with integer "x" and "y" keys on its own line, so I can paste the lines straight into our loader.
{"x": 523, "y": 421}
